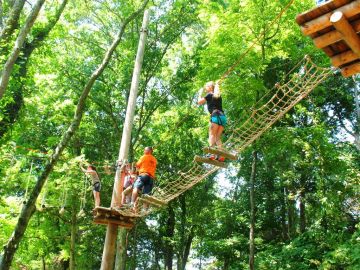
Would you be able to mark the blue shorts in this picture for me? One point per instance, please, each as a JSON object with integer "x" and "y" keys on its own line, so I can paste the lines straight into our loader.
{"x": 219, "y": 120}
{"x": 144, "y": 182}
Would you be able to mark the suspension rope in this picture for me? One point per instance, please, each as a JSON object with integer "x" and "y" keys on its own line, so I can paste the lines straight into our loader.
{"x": 231, "y": 68}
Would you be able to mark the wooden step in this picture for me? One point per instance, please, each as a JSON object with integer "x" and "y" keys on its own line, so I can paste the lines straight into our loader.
{"x": 152, "y": 200}
{"x": 209, "y": 161}
{"x": 219, "y": 152}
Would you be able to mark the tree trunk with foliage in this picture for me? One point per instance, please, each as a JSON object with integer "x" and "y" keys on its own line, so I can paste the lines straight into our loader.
{"x": 283, "y": 216}
{"x": 302, "y": 204}
{"x": 186, "y": 237}
{"x": 73, "y": 237}
{"x": 290, "y": 214}
{"x": 11, "y": 109}
{"x": 8, "y": 67}
{"x": 357, "y": 109}
{"x": 252, "y": 212}
{"x": 1, "y": 15}
{"x": 11, "y": 23}
{"x": 29, "y": 208}
{"x": 168, "y": 245}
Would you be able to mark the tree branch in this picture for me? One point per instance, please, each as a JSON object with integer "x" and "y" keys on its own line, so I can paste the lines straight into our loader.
{"x": 5, "y": 76}
{"x": 12, "y": 22}
{"x": 29, "y": 208}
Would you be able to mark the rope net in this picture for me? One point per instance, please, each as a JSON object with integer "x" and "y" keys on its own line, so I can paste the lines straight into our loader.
{"x": 270, "y": 108}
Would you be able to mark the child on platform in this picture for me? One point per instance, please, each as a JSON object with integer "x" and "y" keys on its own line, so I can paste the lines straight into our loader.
{"x": 95, "y": 180}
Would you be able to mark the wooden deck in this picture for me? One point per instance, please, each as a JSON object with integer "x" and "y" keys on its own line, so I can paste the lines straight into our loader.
{"x": 339, "y": 40}
{"x": 105, "y": 216}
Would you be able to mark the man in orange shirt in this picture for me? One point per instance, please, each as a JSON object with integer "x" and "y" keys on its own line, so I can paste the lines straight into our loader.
{"x": 146, "y": 167}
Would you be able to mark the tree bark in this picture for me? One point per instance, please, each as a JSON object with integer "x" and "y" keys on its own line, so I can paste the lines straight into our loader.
{"x": 12, "y": 22}
{"x": 29, "y": 208}
{"x": 6, "y": 72}
{"x": 11, "y": 109}
{"x": 283, "y": 216}
{"x": 120, "y": 259}
{"x": 111, "y": 231}
{"x": 169, "y": 249}
{"x": 302, "y": 203}
{"x": 1, "y": 16}
{"x": 291, "y": 215}
{"x": 357, "y": 107}
{"x": 134, "y": 248}
{"x": 73, "y": 238}
{"x": 252, "y": 212}
{"x": 185, "y": 238}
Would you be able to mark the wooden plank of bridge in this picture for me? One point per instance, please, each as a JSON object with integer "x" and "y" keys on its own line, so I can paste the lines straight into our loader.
{"x": 209, "y": 161}
{"x": 220, "y": 152}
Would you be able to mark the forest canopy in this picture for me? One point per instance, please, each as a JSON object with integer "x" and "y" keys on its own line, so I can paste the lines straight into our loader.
{"x": 289, "y": 201}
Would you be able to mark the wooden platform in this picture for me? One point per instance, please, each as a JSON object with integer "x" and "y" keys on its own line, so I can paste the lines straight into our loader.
{"x": 209, "y": 161}
{"x": 220, "y": 152}
{"x": 335, "y": 27}
{"x": 103, "y": 215}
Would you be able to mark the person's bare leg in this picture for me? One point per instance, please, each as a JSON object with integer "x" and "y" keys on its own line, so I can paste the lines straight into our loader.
{"x": 96, "y": 198}
{"x": 134, "y": 195}
{"x": 212, "y": 134}
{"x": 219, "y": 132}
{"x": 124, "y": 195}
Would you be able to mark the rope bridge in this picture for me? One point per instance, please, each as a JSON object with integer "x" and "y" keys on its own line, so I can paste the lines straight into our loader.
{"x": 270, "y": 108}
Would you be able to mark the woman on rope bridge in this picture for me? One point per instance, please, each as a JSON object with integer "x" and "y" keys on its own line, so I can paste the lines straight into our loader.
{"x": 95, "y": 179}
{"x": 217, "y": 116}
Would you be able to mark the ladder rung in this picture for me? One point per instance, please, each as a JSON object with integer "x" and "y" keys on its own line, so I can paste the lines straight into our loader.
{"x": 209, "y": 161}
{"x": 219, "y": 152}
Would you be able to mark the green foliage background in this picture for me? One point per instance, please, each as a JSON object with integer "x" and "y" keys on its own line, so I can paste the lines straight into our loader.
{"x": 307, "y": 157}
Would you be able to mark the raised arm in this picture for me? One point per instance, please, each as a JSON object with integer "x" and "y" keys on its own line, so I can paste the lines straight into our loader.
{"x": 82, "y": 168}
{"x": 201, "y": 99}
{"x": 217, "y": 92}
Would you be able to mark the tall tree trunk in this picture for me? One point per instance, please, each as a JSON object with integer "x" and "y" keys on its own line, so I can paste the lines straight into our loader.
{"x": 29, "y": 208}
{"x": 283, "y": 216}
{"x": 357, "y": 108}
{"x": 168, "y": 246}
{"x": 11, "y": 109}
{"x": 120, "y": 259}
{"x": 226, "y": 263}
{"x": 1, "y": 16}
{"x": 43, "y": 262}
{"x": 11, "y": 23}
{"x": 302, "y": 211}
{"x": 134, "y": 251}
{"x": 186, "y": 238}
{"x": 73, "y": 238}
{"x": 187, "y": 247}
{"x": 252, "y": 212}
{"x": 110, "y": 243}
{"x": 7, "y": 69}
{"x": 291, "y": 214}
